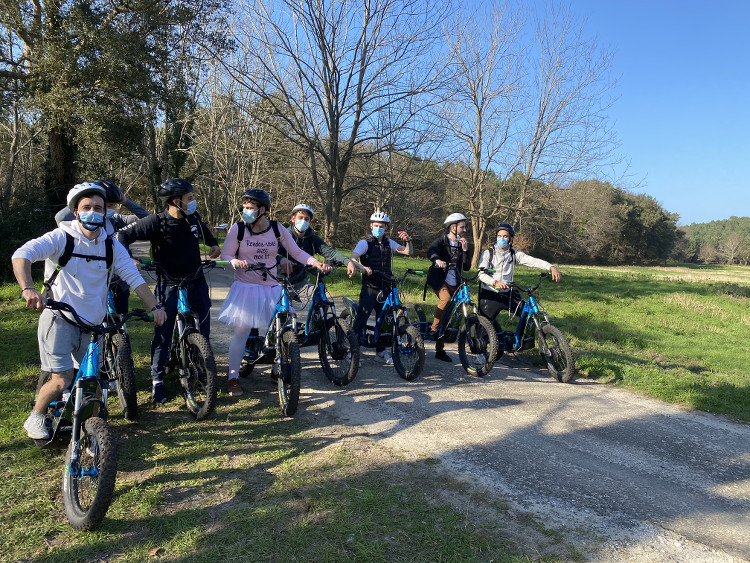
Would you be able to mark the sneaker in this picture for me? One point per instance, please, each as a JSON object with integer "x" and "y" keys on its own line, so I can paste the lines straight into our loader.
{"x": 160, "y": 393}
{"x": 442, "y": 356}
{"x": 479, "y": 361}
{"x": 35, "y": 428}
{"x": 233, "y": 387}
{"x": 386, "y": 355}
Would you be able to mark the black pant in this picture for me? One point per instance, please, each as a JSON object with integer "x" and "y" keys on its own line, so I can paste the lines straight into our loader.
{"x": 199, "y": 303}
{"x": 368, "y": 300}
{"x": 120, "y": 295}
{"x": 492, "y": 302}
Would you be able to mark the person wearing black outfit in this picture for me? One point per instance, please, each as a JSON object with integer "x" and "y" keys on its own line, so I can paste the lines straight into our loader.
{"x": 375, "y": 252}
{"x": 449, "y": 256}
{"x": 175, "y": 236}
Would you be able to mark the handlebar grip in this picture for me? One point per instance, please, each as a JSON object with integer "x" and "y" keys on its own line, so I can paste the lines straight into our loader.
{"x": 147, "y": 261}
{"x": 222, "y": 262}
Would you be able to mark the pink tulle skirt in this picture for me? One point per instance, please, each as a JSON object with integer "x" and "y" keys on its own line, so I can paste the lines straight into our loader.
{"x": 249, "y": 305}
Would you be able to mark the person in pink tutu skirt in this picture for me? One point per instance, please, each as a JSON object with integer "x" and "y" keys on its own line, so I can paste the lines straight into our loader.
{"x": 251, "y": 299}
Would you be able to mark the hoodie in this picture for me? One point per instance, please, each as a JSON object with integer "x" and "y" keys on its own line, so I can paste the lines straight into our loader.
{"x": 82, "y": 284}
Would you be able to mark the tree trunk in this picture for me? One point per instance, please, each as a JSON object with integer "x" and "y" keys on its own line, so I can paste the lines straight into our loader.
{"x": 62, "y": 172}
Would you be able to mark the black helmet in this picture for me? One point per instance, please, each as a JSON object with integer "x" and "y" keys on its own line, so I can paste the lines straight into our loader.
{"x": 259, "y": 196}
{"x": 174, "y": 187}
{"x": 114, "y": 194}
{"x": 506, "y": 227}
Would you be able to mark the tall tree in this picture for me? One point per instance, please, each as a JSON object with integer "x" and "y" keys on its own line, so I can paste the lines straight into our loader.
{"x": 480, "y": 106}
{"x": 342, "y": 77}
{"x": 88, "y": 66}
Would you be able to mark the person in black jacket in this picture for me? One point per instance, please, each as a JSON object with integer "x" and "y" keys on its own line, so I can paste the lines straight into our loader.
{"x": 449, "y": 256}
{"x": 175, "y": 236}
{"x": 311, "y": 243}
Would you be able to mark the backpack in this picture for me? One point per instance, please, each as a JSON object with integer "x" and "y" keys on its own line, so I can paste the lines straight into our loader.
{"x": 68, "y": 254}
{"x": 241, "y": 235}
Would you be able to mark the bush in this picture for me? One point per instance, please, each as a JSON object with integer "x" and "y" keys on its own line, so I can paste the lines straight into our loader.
{"x": 22, "y": 223}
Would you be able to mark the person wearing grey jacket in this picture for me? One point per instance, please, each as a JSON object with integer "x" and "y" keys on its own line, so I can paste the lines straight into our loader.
{"x": 495, "y": 294}
{"x": 113, "y": 223}
{"x": 307, "y": 240}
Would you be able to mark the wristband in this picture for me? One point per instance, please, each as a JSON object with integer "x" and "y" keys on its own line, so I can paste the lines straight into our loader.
{"x": 25, "y": 288}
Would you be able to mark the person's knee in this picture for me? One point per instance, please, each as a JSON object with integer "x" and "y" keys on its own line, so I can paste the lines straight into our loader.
{"x": 59, "y": 380}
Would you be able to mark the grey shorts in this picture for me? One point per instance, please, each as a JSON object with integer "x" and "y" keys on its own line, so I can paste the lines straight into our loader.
{"x": 304, "y": 291}
{"x": 62, "y": 346}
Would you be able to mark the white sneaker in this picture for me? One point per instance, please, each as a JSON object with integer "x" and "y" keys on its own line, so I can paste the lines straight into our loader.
{"x": 35, "y": 428}
{"x": 386, "y": 355}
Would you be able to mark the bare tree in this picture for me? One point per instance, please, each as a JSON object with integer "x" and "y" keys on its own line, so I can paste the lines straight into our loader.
{"x": 479, "y": 111}
{"x": 565, "y": 133}
{"x": 331, "y": 70}
{"x": 729, "y": 247}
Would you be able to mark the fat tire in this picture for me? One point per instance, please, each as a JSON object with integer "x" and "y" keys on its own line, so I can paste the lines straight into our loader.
{"x": 559, "y": 361}
{"x": 84, "y": 513}
{"x": 349, "y": 347}
{"x": 417, "y": 343}
{"x": 488, "y": 337}
{"x": 124, "y": 370}
{"x": 201, "y": 384}
{"x": 290, "y": 378}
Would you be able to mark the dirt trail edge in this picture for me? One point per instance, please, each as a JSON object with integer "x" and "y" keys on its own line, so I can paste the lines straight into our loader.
{"x": 620, "y": 476}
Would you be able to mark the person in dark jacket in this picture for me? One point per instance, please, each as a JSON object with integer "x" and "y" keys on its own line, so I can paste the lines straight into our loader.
{"x": 311, "y": 243}
{"x": 375, "y": 252}
{"x": 175, "y": 236}
{"x": 449, "y": 256}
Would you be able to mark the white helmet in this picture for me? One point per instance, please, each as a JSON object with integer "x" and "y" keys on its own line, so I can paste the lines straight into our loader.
{"x": 380, "y": 216}
{"x": 303, "y": 207}
{"x": 81, "y": 190}
{"x": 453, "y": 218}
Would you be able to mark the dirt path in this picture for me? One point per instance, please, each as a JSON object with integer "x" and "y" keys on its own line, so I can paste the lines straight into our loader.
{"x": 623, "y": 477}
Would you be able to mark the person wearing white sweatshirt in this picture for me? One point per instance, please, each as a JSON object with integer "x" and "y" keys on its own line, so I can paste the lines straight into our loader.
{"x": 495, "y": 294}
{"x": 81, "y": 283}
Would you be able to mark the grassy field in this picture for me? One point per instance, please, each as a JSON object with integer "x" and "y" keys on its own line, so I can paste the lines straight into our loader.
{"x": 247, "y": 485}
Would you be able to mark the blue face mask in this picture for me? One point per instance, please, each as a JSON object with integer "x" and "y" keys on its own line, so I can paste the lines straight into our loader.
{"x": 249, "y": 215}
{"x": 191, "y": 207}
{"x": 301, "y": 225}
{"x": 502, "y": 242}
{"x": 378, "y": 232}
{"x": 91, "y": 220}
{"x": 110, "y": 213}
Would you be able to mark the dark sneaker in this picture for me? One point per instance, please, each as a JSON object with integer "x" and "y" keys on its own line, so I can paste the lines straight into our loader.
{"x": 442, "y": 356}
{"x": 160, "y": 393}
{"x": 233, "y": 387}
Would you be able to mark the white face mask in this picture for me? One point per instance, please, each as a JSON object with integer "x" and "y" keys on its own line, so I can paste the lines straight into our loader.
{"x": 301, "y": 225}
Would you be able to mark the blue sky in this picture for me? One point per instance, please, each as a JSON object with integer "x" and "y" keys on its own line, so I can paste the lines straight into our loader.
{"x": 683, "y": 108}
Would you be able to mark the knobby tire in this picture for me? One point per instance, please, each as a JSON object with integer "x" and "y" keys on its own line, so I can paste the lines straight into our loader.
{"x": 86, "y": 497}
{"x": 200, "y": 392}
{"x": 559, "y": 358}
{"x": 481, "y": 330}
{"x": 290, "y": 376}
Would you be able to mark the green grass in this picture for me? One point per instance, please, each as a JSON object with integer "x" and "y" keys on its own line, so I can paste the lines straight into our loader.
{"x": 678, "y": 334}
{"x": 245, "y": 485}
{"x": 248, "y": 485}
